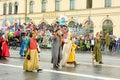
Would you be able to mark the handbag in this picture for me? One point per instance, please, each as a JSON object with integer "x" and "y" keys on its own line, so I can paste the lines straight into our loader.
{"x": 28, "y": 57}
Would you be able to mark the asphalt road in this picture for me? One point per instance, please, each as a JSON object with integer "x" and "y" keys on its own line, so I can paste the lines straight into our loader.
{"x": 12, "y": 68}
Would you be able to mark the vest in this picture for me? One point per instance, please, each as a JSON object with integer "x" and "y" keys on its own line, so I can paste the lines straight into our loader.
{"x": 33, "y": 44}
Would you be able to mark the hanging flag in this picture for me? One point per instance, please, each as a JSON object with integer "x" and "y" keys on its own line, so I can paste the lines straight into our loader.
{"x": 76, "y": 20}
{"x": 89, "y": 19}
{"x": 63, "y": 19}
{"x": 4, "y": 23}
{"x": 17, "y": 27}
{"x": 19, "y": 23}
{"x": 11, "y": 20}
{"x": 28, "y": 19}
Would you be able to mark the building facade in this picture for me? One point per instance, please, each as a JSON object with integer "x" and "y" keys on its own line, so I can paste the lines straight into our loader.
{"x": 103, "y": 15}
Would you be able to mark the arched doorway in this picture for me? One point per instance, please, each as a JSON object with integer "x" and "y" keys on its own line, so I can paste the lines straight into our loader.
{"x": 107, "y": 27}
{"x": 57, "y": 22}
{"x": 89, "y": 26}
{"x": 43, "y": 24}
{"x": 71, "y": 24}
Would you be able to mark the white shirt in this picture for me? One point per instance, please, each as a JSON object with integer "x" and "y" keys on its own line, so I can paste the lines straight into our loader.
{"x": 92, "y": 42}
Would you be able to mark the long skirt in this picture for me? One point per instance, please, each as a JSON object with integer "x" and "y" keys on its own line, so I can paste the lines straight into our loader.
{"x": 66, "y": 53}
{"x": 72, "y": 58}
{"x": 5, "y": 50}
{"x": 33, "y": 63}
{"x": 98, "y": 54}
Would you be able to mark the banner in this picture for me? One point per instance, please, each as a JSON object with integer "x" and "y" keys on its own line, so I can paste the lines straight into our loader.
{"x": 11, "y": 20}
{"x": 89, "y": 19}
{"x": 28, "y": 19}
{"x": 4, "y": 23}
{"x": 63, "y": 19}
{"x": 19, "y": 23}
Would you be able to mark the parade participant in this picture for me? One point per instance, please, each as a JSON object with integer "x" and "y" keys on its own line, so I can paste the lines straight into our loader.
{"x": 5, "y": 49}
{"x": 66, "y": 50}
{"x": 56, "y": 49}
{"x": 23, "y": 45}
{"x": 97, "y": 55}
{"x": 1, "y": 40}
{"x": 72, "y": 57}
{"x": 107, "y": 41}
{"x": 31, "y": 61}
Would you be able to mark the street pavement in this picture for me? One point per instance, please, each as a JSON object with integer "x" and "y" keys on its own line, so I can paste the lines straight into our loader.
{"x": 12, "y": 68}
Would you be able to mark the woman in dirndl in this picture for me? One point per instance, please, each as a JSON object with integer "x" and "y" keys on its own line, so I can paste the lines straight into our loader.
{"x": 31, "y": 61}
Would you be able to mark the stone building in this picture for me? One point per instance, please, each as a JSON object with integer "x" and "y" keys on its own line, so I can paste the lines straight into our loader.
{"x": 102, "y": 15}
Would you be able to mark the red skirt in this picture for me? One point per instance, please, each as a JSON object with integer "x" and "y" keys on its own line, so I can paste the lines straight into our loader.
{"x": 5, "y": 50}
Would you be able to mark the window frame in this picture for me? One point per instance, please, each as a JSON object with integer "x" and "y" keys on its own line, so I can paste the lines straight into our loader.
{"x": 10, "y": 8}
{"x": 31, "y": 7}
{"x": 72, "y": 4}
{"x": 15, "y": 7}
{"x": 4, "y": 8}
{"x": 89, "y": 4}
{"x": 43, "y": 6}
{"x": 57, "y": 5}
{"x": 108, "y": 3}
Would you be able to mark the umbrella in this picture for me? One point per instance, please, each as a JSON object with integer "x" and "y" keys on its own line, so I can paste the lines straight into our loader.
{"x": 112, "y": 36}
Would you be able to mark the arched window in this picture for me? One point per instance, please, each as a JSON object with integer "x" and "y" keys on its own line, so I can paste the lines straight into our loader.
{"x": 16, "y": 7}
{"x": 71, "y": 24}
{"x": 4, "y": 8}
{"x": 31, "y": 6}
{"x": 43, "y": 5}
{"x": 107, "y": 3}
{"x": 89, "y": 4}
{"x": 43, "y": 23}
{"x": 57, "y": 5}
{"x": 89, "y": 26}
{"x": 107, "y": 27}
{"x": 72, "y": 4}
{"x": 10, "y": 8}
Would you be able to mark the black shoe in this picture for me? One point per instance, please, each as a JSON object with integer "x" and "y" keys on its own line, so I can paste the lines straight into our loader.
{"x": 58, "y": 65}
{"x": 28, "y": 71}
{"x": 39, "y": 70}
{"x": 55, "y": 66}
{"x": 100, "y": 62}
{"x": 21, "y": 55}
